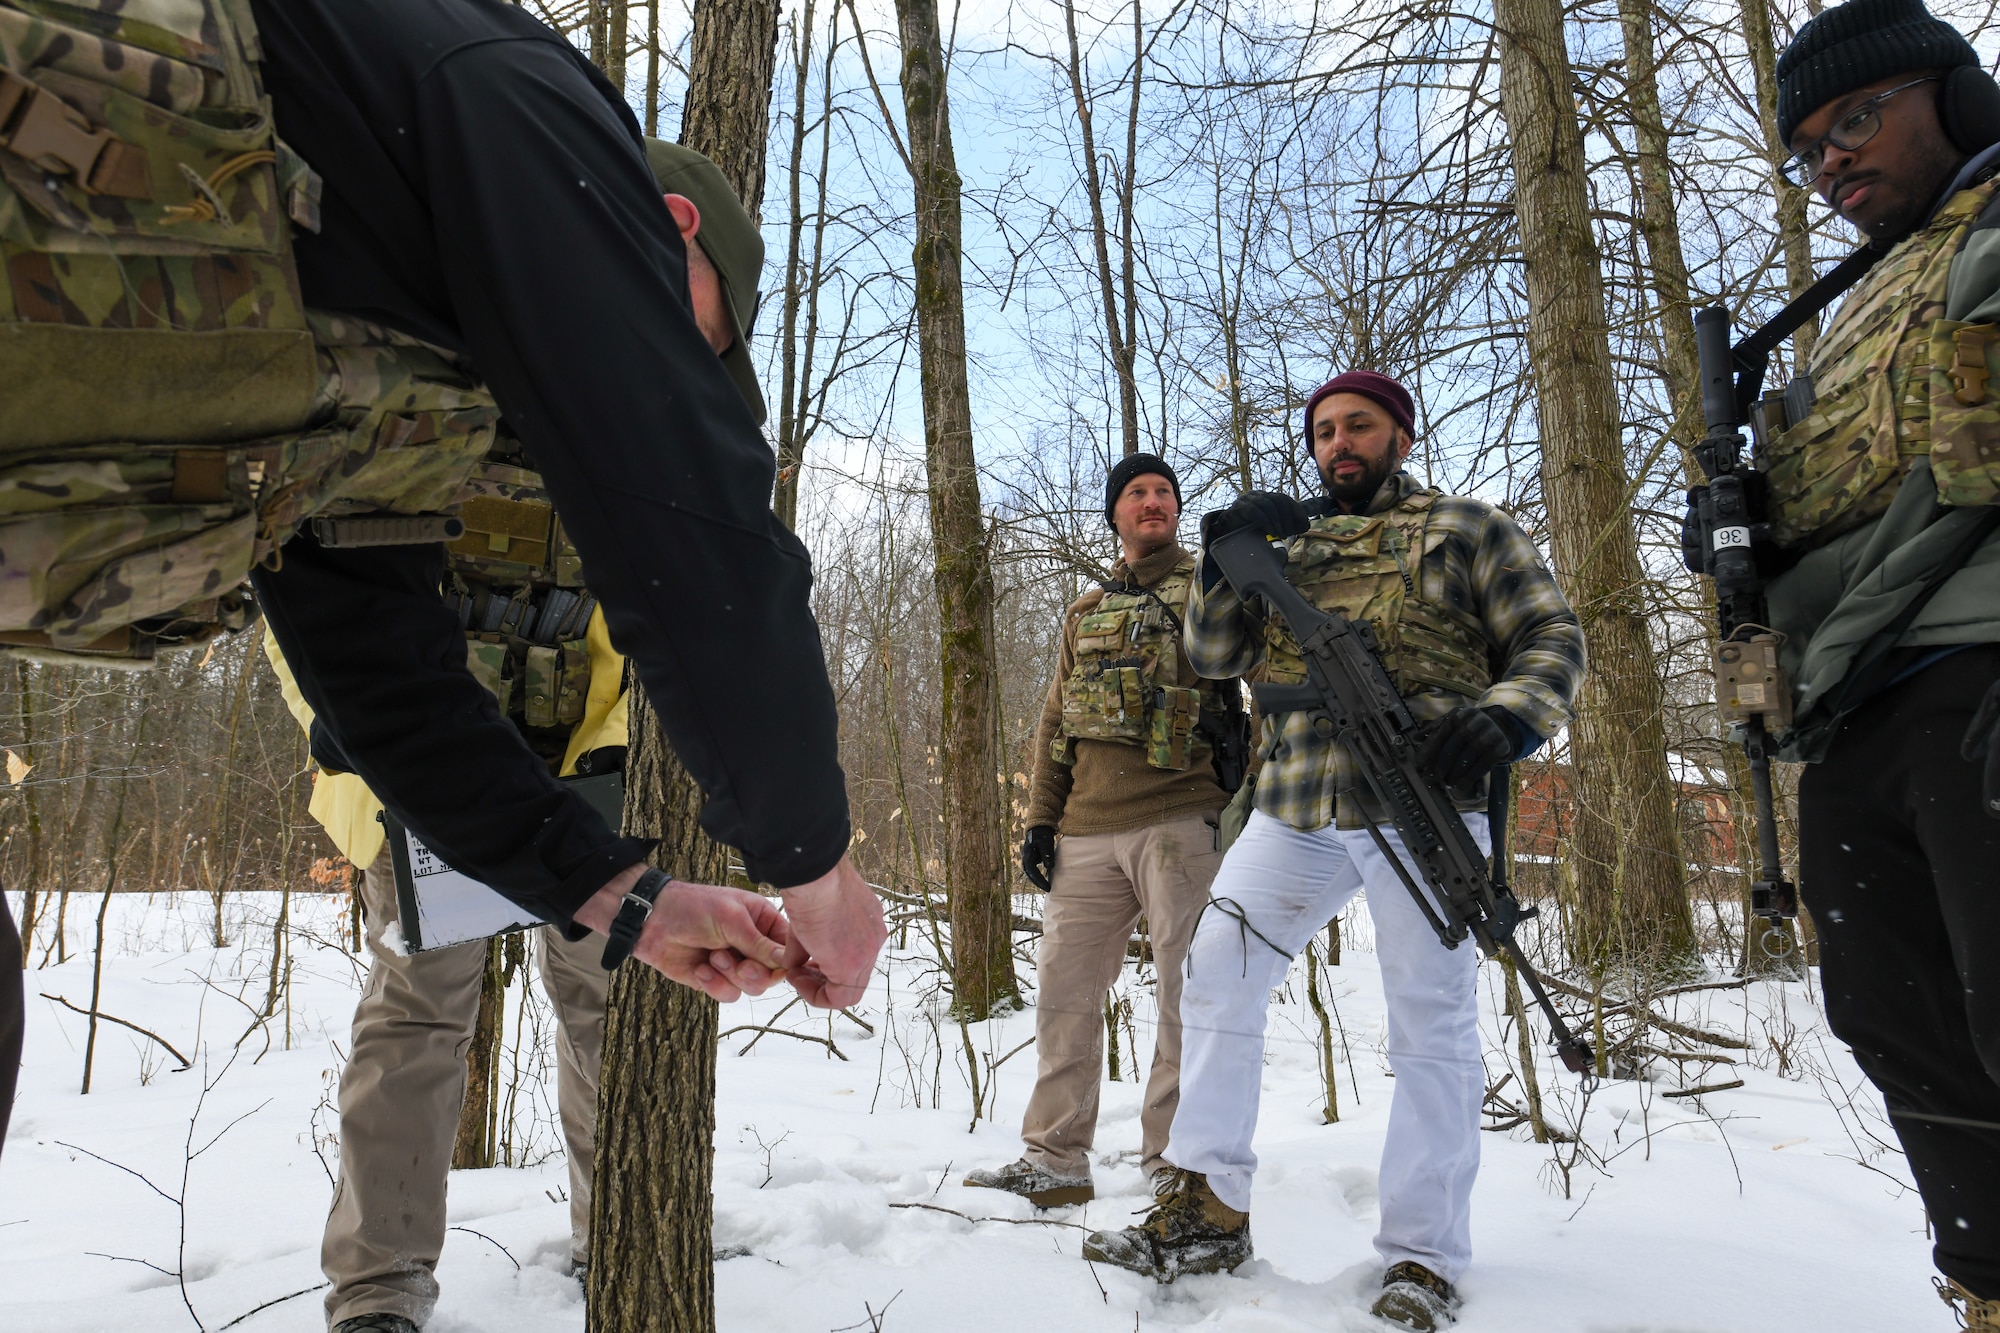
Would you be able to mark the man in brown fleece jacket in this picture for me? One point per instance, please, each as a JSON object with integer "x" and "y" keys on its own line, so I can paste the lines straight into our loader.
{"x": 1124, "y": 772}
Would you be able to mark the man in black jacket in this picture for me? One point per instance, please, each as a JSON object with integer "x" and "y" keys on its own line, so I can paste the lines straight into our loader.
{"x": 486, "y": 190}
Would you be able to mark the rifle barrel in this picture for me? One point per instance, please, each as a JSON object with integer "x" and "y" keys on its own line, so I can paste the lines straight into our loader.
{"x": 1718, "y": 370}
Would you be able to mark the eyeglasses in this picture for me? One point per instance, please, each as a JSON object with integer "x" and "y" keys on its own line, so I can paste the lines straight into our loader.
{"x": 1857, "y": 127}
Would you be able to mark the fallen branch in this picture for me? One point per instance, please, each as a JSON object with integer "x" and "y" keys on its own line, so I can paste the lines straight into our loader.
{"x": 103, "y": 1017}
{"x": 783, "y": 1032}
{"x": 1712, "y": 1087}
{"x": 1654, "y": 1020}
{"x": 1010, "y": 1221}
{"x": 1692, "y": 1057}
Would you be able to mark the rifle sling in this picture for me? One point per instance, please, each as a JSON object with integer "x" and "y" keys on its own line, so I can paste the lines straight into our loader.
{"x": 1753, "y": 354}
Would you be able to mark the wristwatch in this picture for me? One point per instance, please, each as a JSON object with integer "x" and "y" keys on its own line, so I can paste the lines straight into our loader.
{"x": 631, "y": 918}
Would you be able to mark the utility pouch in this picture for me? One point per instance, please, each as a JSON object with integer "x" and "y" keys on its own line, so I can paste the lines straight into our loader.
{"x": 573, "y": 686}
{"x": 1106, "y": 702}
{"x": 486, "y": 655}
{"x": 1836, "y": 467}
{"x": 541, "y": 685}
{"x": 1174, "y": 714}
{"x": 1965, "y": 412}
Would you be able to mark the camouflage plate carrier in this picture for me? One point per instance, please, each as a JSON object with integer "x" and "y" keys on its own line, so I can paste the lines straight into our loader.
{"x": 1892, "y": 381}
{"x": 1368, "y": 567}
{"x": 1125, "y": 686}
{"x": 516, "y": 585}
{"x": 172, "y": 413}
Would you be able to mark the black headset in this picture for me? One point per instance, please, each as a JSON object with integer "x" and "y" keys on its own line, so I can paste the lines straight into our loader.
{"x": 1969, "y": 108}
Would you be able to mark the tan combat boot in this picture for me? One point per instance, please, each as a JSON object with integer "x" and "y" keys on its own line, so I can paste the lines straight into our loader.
{"x": 1187, "y": 1230}
{"x": 1974, "y": 1315}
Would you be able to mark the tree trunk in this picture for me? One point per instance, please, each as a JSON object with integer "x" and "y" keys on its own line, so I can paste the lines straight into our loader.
{"x": 803, "y": 274}
{"x": 652, "y": 1264}
{"x": 1116, "y": 345}
{"x": 652, "y": 1256}
{"x": 981, "y": 920}
{"x": 728, "y": 112}
{"x": 1632, "y": 899}
{"x": 473, "y": 1147}
{"x": 1659, "y": 225}
{"x": 1793, "y": 232}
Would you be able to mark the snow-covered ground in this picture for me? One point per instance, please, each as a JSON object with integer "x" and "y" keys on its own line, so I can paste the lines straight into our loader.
{"x": 1762, "y": 1209}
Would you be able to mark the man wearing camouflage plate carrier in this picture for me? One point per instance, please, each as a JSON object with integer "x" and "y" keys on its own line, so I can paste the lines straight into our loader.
{"x": 227, "y": 353}
{"x": 1127, "y": 770}
{"x": 1479, "y": 642}
{"x": 1881, "y": 464}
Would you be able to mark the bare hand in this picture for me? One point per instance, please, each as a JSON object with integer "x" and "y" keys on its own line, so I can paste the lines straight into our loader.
{"x": 836, "y": 931}
{"x": 724, "y": 942}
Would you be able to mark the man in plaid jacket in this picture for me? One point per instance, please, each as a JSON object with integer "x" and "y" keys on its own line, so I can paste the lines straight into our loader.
{"x": 1481, "y": 643}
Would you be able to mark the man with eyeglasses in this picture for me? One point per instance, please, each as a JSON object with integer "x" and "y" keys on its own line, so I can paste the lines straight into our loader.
{"x": 1883, "y": 469}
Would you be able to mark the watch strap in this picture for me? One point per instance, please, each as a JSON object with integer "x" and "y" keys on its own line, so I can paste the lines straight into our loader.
{"x": 631, "y": 919}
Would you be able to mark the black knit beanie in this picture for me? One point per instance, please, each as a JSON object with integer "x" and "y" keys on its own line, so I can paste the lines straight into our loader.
{"x": 1128, "y": 467}
{"x": 1853, "y": 45}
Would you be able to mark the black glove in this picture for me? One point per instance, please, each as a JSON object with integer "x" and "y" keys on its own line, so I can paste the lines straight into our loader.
{"x": 1979, "y": 744}
{"x": 1468, "y": 743}
{"x": 1268, "y": 512}
{"x": 1038, "y": 855}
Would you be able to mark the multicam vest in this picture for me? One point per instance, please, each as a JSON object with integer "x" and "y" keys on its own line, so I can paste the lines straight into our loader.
{"x": 1125, "y": 685}
{"x": 1369, "y": 568}
{"x": 170, "y": 412}
{"x": 516, "y": 585}
{"x": 1891, "y": 381}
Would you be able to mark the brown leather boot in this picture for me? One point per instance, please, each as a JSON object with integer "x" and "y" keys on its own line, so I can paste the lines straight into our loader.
{"x": 1974, "y": 1315}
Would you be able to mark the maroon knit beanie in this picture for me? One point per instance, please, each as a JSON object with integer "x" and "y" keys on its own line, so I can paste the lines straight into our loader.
{"x": 1393, "y": 398}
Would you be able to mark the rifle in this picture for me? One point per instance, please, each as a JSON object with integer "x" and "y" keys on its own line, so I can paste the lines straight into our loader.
{"x": 1751, "y": 692}
{"x": 1353, "y": 701}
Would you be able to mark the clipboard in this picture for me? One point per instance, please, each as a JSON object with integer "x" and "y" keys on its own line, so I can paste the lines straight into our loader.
{"x": 437, "y": 907}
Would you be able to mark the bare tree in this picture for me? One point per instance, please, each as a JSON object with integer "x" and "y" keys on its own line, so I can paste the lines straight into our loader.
{"x": 1632, "y": 904}
{"x": 652, "y": 1206}
{"x": 975, "y": 877}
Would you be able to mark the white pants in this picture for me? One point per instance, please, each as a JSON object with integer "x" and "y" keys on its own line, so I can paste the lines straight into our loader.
{"x": 1287, "y": 885}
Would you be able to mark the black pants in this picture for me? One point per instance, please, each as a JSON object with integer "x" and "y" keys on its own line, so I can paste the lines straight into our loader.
{"x": 1901, "y": 870}
{"x": 13, "y": 1013}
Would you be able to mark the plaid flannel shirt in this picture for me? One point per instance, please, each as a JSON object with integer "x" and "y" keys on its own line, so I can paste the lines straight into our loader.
{"x": 1476, "y": 561}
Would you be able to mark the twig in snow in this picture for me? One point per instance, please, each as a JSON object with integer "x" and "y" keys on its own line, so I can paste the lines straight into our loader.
{"x": 122, "y": 1259}
{"x": 276, "y": 1300}
{"x": 761, "y": 1031}
{"x": 490, "y": 1241}
{"x": 873, "y": 1322}
{"x": 103, "y": 1017}
{"x": 784, "y": 1032}
{"x": 1010, "y": 1221}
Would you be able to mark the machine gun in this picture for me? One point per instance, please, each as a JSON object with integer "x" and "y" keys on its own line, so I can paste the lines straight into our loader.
{"x": 1751, "y": 692}
{"x": 1352, "y": 700}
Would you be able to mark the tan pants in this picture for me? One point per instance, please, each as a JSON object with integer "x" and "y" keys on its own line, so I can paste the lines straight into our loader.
{"x": 400, "y": 1098}
{"x": 1103, "y": 884}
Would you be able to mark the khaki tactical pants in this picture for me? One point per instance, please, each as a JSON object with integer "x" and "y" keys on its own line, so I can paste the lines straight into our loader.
{"x": 400, "y": 1098}
{"x": 1103, "y": 884}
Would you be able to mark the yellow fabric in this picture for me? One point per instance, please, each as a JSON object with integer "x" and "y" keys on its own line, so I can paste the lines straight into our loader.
{"x": 604, "y": 708}
{"x": 341, "y": 802}
{"x": 345, "y": 807}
